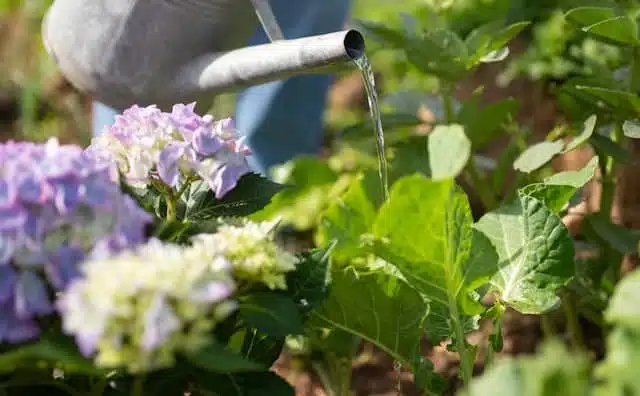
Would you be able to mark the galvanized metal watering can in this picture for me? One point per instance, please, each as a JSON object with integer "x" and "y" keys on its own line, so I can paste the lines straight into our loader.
{"x": 167, "y": 51}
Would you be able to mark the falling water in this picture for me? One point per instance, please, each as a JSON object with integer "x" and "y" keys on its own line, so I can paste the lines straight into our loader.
{"x": 369, "y": 82}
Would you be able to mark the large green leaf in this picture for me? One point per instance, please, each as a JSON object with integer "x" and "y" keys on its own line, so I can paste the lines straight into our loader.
{"x": 537, "y": 155}
{"x": 425, "y": 229}
{"x": 449, "y": 151}
{"x": 377, "y": 307}
{"x": 619, "y": 102}
{"x": 624, "y": 309}
{"x": 535, "y": 252}
{"x": 347, "y": 219}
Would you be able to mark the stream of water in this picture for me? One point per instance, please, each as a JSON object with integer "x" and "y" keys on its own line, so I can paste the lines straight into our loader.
{"x": 370, "y": 85}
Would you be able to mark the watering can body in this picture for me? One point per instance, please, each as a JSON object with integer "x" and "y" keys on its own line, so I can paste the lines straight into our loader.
{"x": 168, "y": 51}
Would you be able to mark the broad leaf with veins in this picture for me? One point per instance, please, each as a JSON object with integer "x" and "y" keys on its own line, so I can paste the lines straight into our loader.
{"x": 535, "y": 253}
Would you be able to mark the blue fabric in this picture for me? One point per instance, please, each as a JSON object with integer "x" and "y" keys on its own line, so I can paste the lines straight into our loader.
{"x": 281, "y": 119}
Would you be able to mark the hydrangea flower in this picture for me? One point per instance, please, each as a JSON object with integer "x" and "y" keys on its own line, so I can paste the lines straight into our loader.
{"x": 139, "y": 308}
{"x": 58, "y": 206}
{"x": 250, "y": 251}
{"x": 148, "y": 144}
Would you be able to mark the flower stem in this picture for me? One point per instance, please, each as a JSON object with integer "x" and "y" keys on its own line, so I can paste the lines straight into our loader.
{"x": 466, "y": 358}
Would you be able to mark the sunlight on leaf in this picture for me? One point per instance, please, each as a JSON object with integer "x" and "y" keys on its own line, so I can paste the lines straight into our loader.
{"x": 449, "y": 151}
{"x": 631, "y": 129}
{"x": 588, "y": 128}
{"x": 535, "y": 252}
{"x": 379, "y": 308}
{"x": 426, "y": 231}
{"x": 537, "y": 155}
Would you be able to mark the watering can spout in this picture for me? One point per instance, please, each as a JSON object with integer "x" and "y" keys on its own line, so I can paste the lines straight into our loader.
{"x": 125, "y": 52}
{"x": 243, "y": 67}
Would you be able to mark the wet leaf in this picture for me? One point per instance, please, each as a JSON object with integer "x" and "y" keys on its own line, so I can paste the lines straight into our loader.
{"x": 535, "y": 253}
{"x": 425, "y": 229}
{"x": 379, "y": 308}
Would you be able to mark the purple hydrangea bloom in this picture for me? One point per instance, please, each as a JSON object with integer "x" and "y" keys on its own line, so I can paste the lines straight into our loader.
{"x": 58, "y": 207}
{"x": 147, "y": 143}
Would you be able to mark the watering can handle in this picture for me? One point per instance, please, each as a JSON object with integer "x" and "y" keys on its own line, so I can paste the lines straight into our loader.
{"x": 268, "y": 19}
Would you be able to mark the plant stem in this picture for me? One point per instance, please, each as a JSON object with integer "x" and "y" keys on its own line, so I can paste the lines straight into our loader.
{"x": 466, "y": 359}
{"x": 171, "y": 208}
{"x": 573, "y": 324}
{"x": 482, "y": 186}
{"x": 138, "y": 386}
{"x": 98, "y": 388}
{"x": 548, "y": 327}
{"x": 447, "y": 103}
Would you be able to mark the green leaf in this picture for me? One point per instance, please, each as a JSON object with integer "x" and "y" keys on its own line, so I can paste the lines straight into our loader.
{"x": 631, "y": 129}
{"x": 620, "y": 238}
{"x": 491, "y": 39}
{"x": 552, "y": 371}
{"x": 252, "y": 193}
{"x": 261, "y": 348}
{"x": 245, "y": 384}
{"x": 51, "y": 350}
{"x": 379, "y": 308}
{"x": 556, "y": 191}
{"x": 425, "y": 229}
{"x": 587, "y": 130}
{"x": 621, "y": 30}
{"x": 347, "y": 219}
{"x": 576, "y": 179}
{"x": 537, "y": 156}
{"x": 535, "y": 253}
{"x": 483, "y": 125}
{"x": 308, "y": 285}
{"x": 604, "y": 145}
{"x": 273, "y": 314}
{"x": 449, "y": 151}
{"x": 619, "y": 102}
{"x": 439, "y": 52}
{"x": 587, "y": 16}
{"x": 216, "y": 358}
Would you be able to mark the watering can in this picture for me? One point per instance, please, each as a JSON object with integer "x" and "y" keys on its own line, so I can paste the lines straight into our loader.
{"x": 125, "y": 52}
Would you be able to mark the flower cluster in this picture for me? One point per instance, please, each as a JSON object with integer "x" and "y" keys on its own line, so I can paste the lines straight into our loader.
{"x": 58, "y": 206}
{"x": 250, "y": 251}
{"x": 149, "y": 144}
{"x": 141, "y": 307}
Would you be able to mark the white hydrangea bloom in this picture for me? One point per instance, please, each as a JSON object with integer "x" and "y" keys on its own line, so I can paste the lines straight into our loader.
{"x": 250, "y": 251}
{"x": 141, "y": 307}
